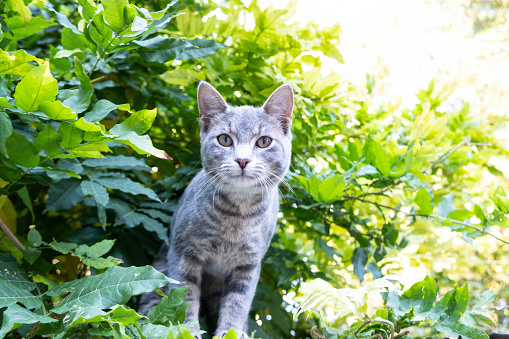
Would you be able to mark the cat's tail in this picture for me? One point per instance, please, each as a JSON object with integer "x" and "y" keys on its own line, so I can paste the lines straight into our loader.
{"x": 149, "y": 300}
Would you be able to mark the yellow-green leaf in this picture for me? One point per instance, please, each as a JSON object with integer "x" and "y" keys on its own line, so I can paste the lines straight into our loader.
{"x": 57, "y": 111}
{"x": 423, "y": 200}
{"x": 19, "y": 7}
{"x": 114, "y": 13}
{"x": 36, "y": 87}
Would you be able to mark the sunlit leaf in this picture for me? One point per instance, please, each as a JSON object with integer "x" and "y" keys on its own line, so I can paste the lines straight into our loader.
{"x": 115, "y": 286}
{"x": 36, "y": 87}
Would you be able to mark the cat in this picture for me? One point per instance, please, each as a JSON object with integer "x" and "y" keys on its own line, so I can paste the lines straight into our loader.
{"x": 226, "y": 217}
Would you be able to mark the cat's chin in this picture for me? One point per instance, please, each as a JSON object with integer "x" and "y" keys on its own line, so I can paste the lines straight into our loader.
{"x": 243, "y": 183}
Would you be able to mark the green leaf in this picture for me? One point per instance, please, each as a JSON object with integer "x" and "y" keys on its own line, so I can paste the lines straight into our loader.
{"x": 91, "y": 150}
{"x": 139, "y": 122}
{"x": 160, "y": 49}
{"x": 11, "y": 294}
{"x": 10, "y": 272}
{"x": 57, "y": 111}
{"x": 64, "y": 21}
{"x": 71, "y": 135}
{"x": 36, "y": 87}
{"x": 88, "y": 9}
{"x": 64, "y": 195}
{"x": 16, "y": 63}
{"x": 118, "y": 162}
{"x": 15, "y": 316}
{"x": 420, "y": 295}
{"x": 180, "y": 77}
{"x": 446, "y": 205}
{"x": 466, "y": 332}
{"x": 163, "y": 312}
{"x": 114, "y": 14}
{"x": 125, "y": 214}
{"x": 331, "y": 189}
{"x": 115, "y": 286}
{"x": 199, "y": 48}
{"x": 120, "y": 314}
{"x": 101, "y": 263}
{"x": 486, "y": 297}
{"x": 101, "y": 248}
{"x": 20, "y": 30}
{"x": 62, "y": 247}
{"x": 5, "y": 131}
{"x": 142, "y": 144}
{"x": 480, "y": 214}
{"x": 460, "y": 214}
{"x": 128, "y": 186}
{"x": 21, "y": 151}
{"x": 451, "y": 307}
{"x": 423, "y": 200}
{"x": 376, "y": 156}
{"x": 34, "y": 237}
{"x": 19, "y": 7}
{"x": 331, "y": 51}
{"x": 101, "y": 109}
{"x": 359, "y": 260}
{"x": 80, "y": 101}
{"x": 155, "y": 226}
{"x": 31, "y": 254}
{"x": 97, "y": 191}
{"x": 48, "y": 140}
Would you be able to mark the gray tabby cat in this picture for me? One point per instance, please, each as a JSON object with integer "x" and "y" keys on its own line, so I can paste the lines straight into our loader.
{"x": 227, "y": 216}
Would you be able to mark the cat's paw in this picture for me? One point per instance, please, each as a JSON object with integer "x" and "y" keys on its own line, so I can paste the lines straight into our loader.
{"x": 240, "y": 334}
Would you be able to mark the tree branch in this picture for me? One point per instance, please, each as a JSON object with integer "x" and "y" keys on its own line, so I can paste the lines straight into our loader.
{"x": 11, "y": 236}
{"x": 465, "y": 142}
{"x": 410, "y": 214}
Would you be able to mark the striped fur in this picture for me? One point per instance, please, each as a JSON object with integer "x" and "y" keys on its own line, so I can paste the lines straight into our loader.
{"x": 227, "y": 216}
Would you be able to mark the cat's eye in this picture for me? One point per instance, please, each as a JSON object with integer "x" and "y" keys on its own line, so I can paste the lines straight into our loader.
{"x": 225, "y": 140}
{"x": 263, "y": 142}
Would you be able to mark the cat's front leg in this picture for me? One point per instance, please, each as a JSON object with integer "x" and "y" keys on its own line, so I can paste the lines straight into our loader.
{"x": 187, "y": 268}
{"x": 238, "y": 293}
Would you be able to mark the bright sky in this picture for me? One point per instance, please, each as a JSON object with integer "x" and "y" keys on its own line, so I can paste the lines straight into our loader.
{"x": 407, "y": 43}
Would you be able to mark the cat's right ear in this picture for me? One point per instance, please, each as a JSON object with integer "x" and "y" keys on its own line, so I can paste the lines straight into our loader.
{"x": 210, "y": 103}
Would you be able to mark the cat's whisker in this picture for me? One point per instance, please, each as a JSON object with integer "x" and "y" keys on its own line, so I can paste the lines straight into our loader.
{"x": 207, "y": 184}
{"x": 282, "y": 181}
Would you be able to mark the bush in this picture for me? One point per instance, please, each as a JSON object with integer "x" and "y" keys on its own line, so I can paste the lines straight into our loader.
{"x": 95, "y": 100}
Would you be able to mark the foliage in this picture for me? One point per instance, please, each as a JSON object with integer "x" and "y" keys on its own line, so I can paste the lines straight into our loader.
{"x": 88, "y": 90}
{"x": 417, "y": 306}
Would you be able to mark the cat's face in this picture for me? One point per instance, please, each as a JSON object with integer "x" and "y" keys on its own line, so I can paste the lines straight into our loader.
{"x": 245, "y": 148}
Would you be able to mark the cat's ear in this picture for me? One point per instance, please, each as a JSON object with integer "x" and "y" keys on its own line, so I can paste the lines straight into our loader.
{"x": 280, "y": 104}
{"x": 210, "y": 103}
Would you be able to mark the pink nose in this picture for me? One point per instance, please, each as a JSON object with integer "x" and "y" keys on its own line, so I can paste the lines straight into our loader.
{"x": 242, "y": 162}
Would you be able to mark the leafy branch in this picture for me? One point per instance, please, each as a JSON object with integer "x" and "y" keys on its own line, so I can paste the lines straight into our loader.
{"x": 431, "y": 216}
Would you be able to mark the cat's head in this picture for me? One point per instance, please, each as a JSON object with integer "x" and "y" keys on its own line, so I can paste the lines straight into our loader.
{"x": 245, "y": 148}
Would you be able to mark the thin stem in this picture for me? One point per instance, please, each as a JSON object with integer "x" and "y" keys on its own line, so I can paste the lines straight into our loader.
{"x": 43, "y": 307}
{"x": 102, "y": 55}
{"x": 102, "y": 77}
{"x": 410, "y": 214}
{"x": 402, "y": 334}
{"x": 382, "y": 190}
{"x": 11, "y": 236}
{"x": 465, "y": 142}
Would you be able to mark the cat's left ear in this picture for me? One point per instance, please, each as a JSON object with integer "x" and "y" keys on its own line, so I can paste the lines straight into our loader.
{"x": 280, "y": 104}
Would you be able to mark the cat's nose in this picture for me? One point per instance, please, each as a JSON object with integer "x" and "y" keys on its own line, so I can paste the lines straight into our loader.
{"x": 242, "y": 163}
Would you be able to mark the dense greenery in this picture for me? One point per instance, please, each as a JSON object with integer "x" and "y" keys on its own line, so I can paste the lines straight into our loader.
{"x": 96, "y": 98}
